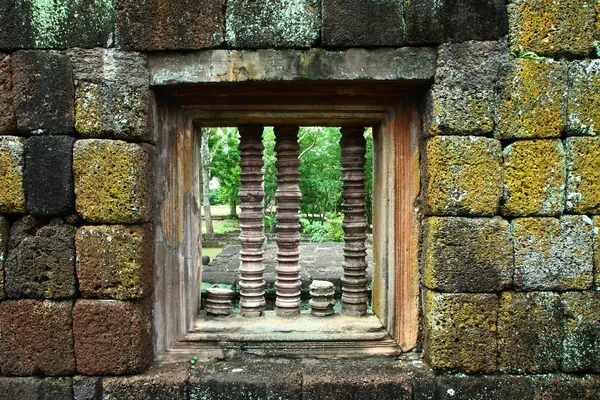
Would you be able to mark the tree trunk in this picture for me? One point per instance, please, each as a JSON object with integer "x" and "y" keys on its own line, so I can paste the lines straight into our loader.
{"x": 206, "y": 160}
{"x": 233, "y": 208}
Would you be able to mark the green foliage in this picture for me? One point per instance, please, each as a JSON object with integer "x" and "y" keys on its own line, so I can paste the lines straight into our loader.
{"x": 225, "y": 165}
{"x": 328, "y": 231}
{"x": 522, "y": 53}
{"x": 369, "y": 174}
{"x": 193, "y": 361}
{"x": 270, "y": 177}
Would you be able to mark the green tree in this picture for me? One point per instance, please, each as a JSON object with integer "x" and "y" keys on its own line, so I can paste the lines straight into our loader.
{"x": 226, "y": 168}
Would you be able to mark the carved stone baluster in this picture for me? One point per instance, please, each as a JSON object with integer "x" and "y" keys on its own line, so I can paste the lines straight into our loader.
{"x": 252, "y": 282}
{"x": 354, "y": 281}
{"x": 288, "y": 213}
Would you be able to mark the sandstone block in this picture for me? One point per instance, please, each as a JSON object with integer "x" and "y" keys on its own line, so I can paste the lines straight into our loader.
{"x": 532, "y": 100}
{"x": 115, "y": 261}
{"x": 112, "y": 98}
{"x": 584, "y": 98}
{"x": 48, "y": 176}
{"x": 8, "y": 123}
{"x": 4, "y": 229}
{"x": 567, "y": 386}
{"x": 41, "y": 260}
{"x": 170, "y": 24}
{"x": 460, "y": 331}
{"x": 12, "y": 194}
{"x": 484, "y": 387}
{"x": 467, "y": 254}
{"x": 36, "y": 388}
{"x": 596, "y": 232}
{"x": 272, "y": 23}
{"x": 112, "y": 337}
{"x": 363, "y": 23}
{"x": 164, "y": 383}
{"x": 583, "y": 175}
{"x": 37, "y": 337}
{"x": 553, "y": 254}
{"x": 462, "y": 99}
{"x": 463, "y": 176}
{"x": 43, "y": 92}
{"x": 534, "y": 178}
{"x": 580, "y": 345}
{"x": 56, "y": 24}
{"x": 435, "y": 21}
{"x": 553, "y": 28}
{"x": 113, "y": 181}
{"x": 529, "y": 332}
{"x": 87, "y": 388}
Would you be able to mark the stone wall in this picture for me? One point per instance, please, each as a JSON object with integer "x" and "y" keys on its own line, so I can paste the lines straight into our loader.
{"x": 510, "y": 191}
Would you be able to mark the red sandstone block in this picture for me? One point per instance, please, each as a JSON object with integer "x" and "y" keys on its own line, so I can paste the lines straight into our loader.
{"x": 36, "y": 337}
{"x": 112, "y": 337}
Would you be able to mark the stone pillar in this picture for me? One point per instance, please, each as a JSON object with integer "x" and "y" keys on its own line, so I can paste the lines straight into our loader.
{"x": 218, "y": 301}
{"x": 252, "y": 282}
{"x": 354, "y": 281}
{"x": 288, "y": 213}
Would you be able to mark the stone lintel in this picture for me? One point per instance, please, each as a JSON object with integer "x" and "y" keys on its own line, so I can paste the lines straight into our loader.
{"x": 409, "y": 64}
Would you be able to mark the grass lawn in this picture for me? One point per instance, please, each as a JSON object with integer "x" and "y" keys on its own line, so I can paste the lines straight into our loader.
{"x": 220, "y": 211}
{"x": 223, "y": 226}
{"x": 212, "y": 252}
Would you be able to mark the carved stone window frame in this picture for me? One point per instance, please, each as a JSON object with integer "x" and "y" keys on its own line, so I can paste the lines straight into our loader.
{"x": 392, "y": 107}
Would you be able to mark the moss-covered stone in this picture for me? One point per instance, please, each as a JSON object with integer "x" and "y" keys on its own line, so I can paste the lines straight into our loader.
{"x": 463, "y": 176}
{"x": 567, "y": 386}
{"x": 4, "y": 229}
{"x": 582, "y": 331}
{"x": 467, "y": 254}
{"x": 483, "y": 387}
{"x": 8, "y": 123}
{"x": 553, "y": 28}
{"x": 584, "y": 98}
{"x": 596, "y": 231}
{"x": 583, "y": 175}
{"x": 272, "y": 23}
{"x": 532, "y": 100}
{"x": 460, "y": 331}
{"x": 529, "y": 332}
{"x": 552, "y": 253}
{"x": 12, "y": 194}
{"x": 534, "y": 178}
{"x": 113, "y": 181}
{"x": 115, "y": 261}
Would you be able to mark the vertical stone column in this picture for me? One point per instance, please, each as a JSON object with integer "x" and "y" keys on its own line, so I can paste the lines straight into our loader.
{"x": 288, "y": 213}
{"x": 354, "y": 281}
{"x": 252, "y": 282}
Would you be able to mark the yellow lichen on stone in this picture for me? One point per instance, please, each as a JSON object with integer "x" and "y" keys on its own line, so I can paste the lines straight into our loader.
{"x": 550, "y": 27}
{"x": 532, "y": 100}
{"x": 88, "y": 109}
{"x": 113, "y": 181}
{"x": 12, "y": 194}
{"x": 596, "y": 231}
{"x": 534, "y": 178}
{"x": 463, "y": 176}
{"x": 583, "y": 175}
{"x": 584, "y": 98}
{"x": 460, "y": 113}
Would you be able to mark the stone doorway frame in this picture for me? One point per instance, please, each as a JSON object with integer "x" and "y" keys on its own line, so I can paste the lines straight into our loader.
{"x": 392, "y": 108}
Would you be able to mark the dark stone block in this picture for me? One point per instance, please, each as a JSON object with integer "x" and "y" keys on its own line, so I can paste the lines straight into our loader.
{"x": 87, "y": 388}
{"x": 363, "y": 23}
{"x": 15, "y": 25}
{"x": 170, "y": 24}
{"x": 37, "y": 338}
{"x": 582, "y": 331}
{"x": 571, "y": 387}
{"x": 36, "y": 388}
{"x": 4, "y": 229}
{"x": 48, "y": 176}
{"x": 112, "y": 337}
{"x": 499, "y": 387}
{"x": 435, "y": 21}
{"x": 164, "y": 383}
{"x": 8, "y": 123}
{"x": 41, "y": 260}
{"x": 43, "y": 92}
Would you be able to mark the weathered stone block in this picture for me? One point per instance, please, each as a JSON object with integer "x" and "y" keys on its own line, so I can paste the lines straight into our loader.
{"x": 272, "y": 23}
{"x": 567, "y": 386}
{"x": 36, "y": 388}
{"x": 43, "y": 92}
{"x": 37, "y": 337}
{"x": 170, "y": 24}
{"x": 112, "y": 337}
{"x": 582, "y": 330}
{"x": 552, "y": 253}
{"x": 596, "y": 232}
{"x": 462, "y": 100}
{"x": 112, "y": 98}
{"x": 12, "y": 194}
{"x": 4, "y": 229}
{"x": 534, "y": 178}
{"x": 58, "y": 24}
{"x": 41, "y": 260}
{"x": 553, "y": 28}
{"x": 584, "y": 98}
{"x": 441, "y": 21}
{"x": 8, "y": 123}
{"x": 48, "y": 176}
{"x": 532, "y": 100}
{"x": 113, "y": 181}
{"x": 87, "y": 388}
{"x": 460, "y": 331}
{"x": 467, "y": 254}
{"x": 529, "y": 332}
{"x": 583, "y": 175}
{"x": 164, "y": 383}
{"x": 363, "y": 23}
{"x": 463, "y": 176}
{"x": 484, "y": 387}
{"x": 115, "y": 261}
